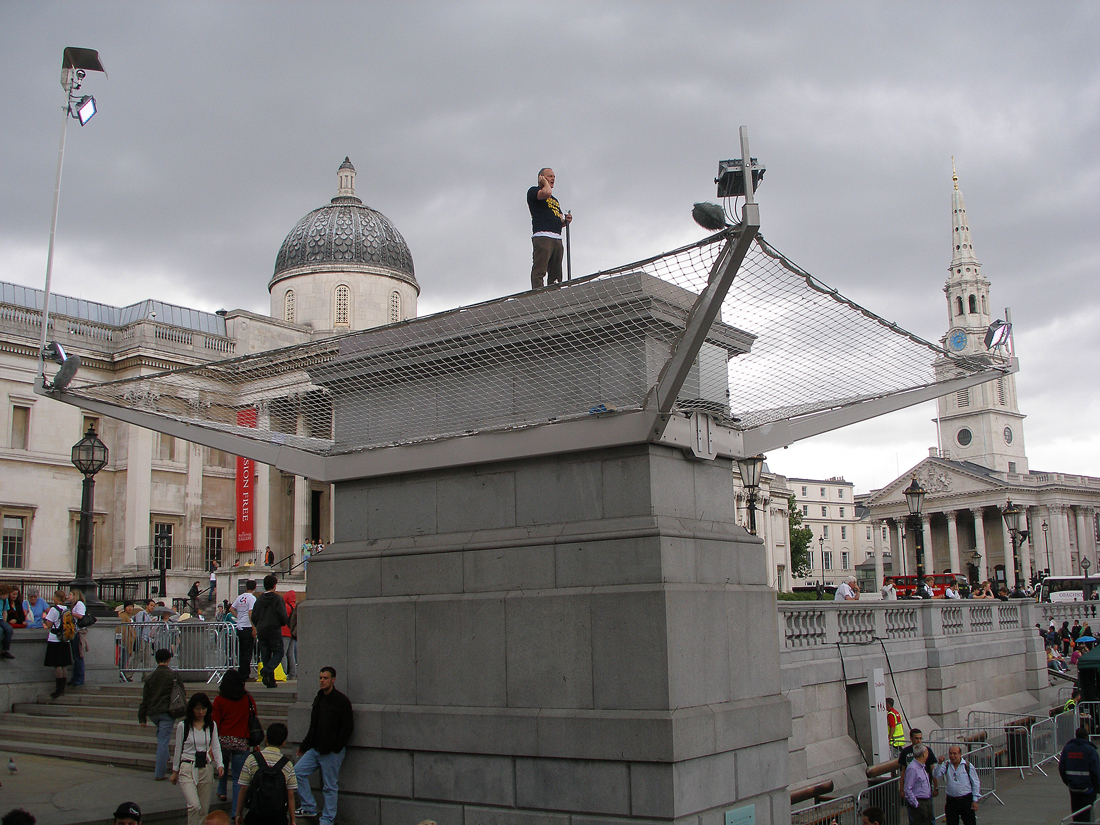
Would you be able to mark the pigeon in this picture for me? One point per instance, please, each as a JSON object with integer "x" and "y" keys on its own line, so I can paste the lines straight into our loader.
{"x": 11, "y": 766}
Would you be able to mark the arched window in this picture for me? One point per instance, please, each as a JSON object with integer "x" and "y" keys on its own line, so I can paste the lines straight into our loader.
{"x": 959, "y": 305}
{"x": 973, "y": 305}
{"x": 288, "y": 306}
{"x": 342, "y": 315}
{"x": 395, "y": 307}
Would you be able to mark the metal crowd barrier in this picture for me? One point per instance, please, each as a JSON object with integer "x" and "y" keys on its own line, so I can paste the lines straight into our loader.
{"x": 887, "y": 796}
{"x": 843, "y": 811}
{"x": 1088, "y": 716}
{"x": 209, "y": 647}
{"x": 984, "y": 760}
{"x": 1069, "y": 820}
{"x": 1009, "y": 734}
{"x": 1049, "y": 736}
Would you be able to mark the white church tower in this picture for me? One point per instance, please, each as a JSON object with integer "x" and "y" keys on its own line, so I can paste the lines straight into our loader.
{"x": 981, "y": 424}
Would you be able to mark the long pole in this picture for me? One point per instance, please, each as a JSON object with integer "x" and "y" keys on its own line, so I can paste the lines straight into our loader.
{"x": 84, "y": 581}
{"x": 918, "y": 544}
{"x": 568, "y": 256}
{"x": 53, "y": 232}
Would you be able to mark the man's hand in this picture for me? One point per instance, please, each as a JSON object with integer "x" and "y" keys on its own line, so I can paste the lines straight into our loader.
{"x": 300, "y": 753}
{"x": 543, "y": 182}
{"x": 253, "y": 633}
{"x": 974, "y": 805}
{"x": 568, "y": 219}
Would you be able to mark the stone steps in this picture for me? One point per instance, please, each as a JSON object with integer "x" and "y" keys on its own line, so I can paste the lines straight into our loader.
{"x": 99, "y": 723}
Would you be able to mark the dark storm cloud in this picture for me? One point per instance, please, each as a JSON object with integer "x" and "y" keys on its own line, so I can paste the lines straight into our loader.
{"x": 222, "y": 124}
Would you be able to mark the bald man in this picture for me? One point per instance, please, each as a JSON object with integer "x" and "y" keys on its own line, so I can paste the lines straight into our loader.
{"x": 547, "y": 220}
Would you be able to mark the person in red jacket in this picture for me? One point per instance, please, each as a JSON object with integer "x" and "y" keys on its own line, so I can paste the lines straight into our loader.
{"x": 232, "y": 707}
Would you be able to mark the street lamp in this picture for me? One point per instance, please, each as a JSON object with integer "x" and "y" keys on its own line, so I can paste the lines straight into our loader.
{"x": 89, "y": 456}
{"x": 1085, "y": 565}
{"x": 914, "y": 499}
{"x": 750, "y": 469}
{"x": 1046, "y": 545}
{"x": 75, "y": 64}
{"x": 1012, "y": 513}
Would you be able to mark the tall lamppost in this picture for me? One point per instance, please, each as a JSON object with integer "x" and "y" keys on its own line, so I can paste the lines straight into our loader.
{"x": 75, "y": 64}
{"x": 750, "y": 469}
{"x": 1012, "y": 513}
{"x": 1046, "y": 545}
{"x": 914, "y": 499}
{"x": 89, "y": 456}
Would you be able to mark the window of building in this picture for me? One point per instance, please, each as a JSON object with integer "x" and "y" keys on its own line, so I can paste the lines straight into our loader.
{"x": 395, "y": 307}
{"x": 824, "y": 511}
{"x": 162, "y": 545}
{"x": 805, "y": 509}
{"x": 342, "y": 315}
{"x": 884, "y": 536}
{"x": 962, "y": 398}
{"x": 825, "y": 531}
{"x": 804, "y": 489}
{"x": 964, "y": 437}
{"x": 973, "y": 305}
{"x": 289, "y": 308}
{"x": 842, "y": 512}
{"x": 840, "y": 492}
{"x": 843, "y": 532}
{"x": 846, "y": 560}
{"x": 1012, "y": 466}
{"x": 214, "y": 536}
{"x": 959, "y": 305}
{"x": 218, "y": 458}
{"x": 827, "y": 560}
{"x": 1001, "y": 391}
{"x": 810, "y": 556}
{"x": 823, "y": 492}
{"x": 14, "y": 542}
{"x": 166, "y": 447}
{"x": 868, "y": 533}
{"x": 20, "y": 427}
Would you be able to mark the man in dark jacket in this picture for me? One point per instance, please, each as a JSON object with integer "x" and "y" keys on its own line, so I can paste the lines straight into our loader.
{"x": 330, "y": 723}
{"x": 156, "y": 694}
{"x": 1080, "y": 771}
{"x": 268, "y": 619}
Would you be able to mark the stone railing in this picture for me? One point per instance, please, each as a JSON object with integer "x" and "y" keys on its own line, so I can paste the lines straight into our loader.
{"x": 1068, "y": 611}
{"x": 816, "y": 624}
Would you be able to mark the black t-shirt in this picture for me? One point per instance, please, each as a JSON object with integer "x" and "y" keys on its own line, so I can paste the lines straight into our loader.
{"x": 905, "y": 756}
{"x": 545, "y": 214}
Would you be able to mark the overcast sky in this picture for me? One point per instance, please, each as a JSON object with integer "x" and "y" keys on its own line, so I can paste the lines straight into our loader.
{"x": 221, "y": 124}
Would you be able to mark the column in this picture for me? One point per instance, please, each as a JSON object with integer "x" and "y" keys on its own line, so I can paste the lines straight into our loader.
{"x": 302, "y": 501}
{"x": 876, "y": 530}
{"x": 1059, "y": 539}
{"x": 261, "y": 479}
{"x": 139, "y": 458}
{"x": 926, "y": 532}
{"x": 1010, "y": 568}
{"x": 192, "y": 497}
{"x": 1025, "y": 552}
{"x": 1084, "y": 548}
{"x": 979, "y": 543}
{"x": 953, "y": 541}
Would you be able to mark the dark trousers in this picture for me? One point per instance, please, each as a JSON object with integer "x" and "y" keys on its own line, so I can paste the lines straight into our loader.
{"x": 1078, "y": 800}
{"x": 546, "y": 257}
{"x": 922, "y": 814}
{"x": 244, "y": 644}
{"x": 958, "y": 808}
{"x": 271, "y": 653}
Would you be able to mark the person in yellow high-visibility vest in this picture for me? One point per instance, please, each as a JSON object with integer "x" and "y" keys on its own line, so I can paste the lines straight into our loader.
{"x": 893, "y": 728}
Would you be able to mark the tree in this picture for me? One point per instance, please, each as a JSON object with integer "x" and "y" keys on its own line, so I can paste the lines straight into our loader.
{"x": 800, "y": 538}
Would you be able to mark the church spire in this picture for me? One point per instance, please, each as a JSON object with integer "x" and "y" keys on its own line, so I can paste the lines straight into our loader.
{"x": 963, "y": 261}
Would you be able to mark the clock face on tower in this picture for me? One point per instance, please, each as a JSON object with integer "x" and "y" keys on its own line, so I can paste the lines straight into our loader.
{"x": 957, "y": 340}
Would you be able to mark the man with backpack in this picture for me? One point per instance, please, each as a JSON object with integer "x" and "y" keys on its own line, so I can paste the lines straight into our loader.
{"x": 267, "y": 783}
{"x": 268, "y": 620}
{"x": 156, "y": 706}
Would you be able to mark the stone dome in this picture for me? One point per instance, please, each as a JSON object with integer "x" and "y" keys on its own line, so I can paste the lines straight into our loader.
{"x": 345, "y": 236}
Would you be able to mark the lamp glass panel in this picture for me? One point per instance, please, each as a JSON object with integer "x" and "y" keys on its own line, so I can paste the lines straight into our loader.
{"x": 85, "y": 110}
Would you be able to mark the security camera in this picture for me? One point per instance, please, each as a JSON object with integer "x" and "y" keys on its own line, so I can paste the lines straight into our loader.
{"x": 80, "y": 74}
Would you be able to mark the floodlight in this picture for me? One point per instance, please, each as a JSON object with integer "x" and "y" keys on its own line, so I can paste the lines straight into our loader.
{"x": 85, "y": 109}
{"x": 55, "y": 352}
{"x": 731, "y": 177}
{"x": 998, "y": 334}
{"x": 66, "y": 374}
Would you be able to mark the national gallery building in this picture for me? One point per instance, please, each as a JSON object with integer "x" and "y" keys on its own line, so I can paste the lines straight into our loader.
{"x": 162, "y": 501}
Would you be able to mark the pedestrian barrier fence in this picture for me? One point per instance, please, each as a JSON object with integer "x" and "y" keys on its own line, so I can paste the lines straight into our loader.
{"x": 1008, "y": 733}
{"x": 1088, "y": 716}
{"x": 209, "y": 647}
{"x": 887, "y": 796}
{"x": 983, "y": 758}
{"x": 1073, "y": 816}
{"x": 842, "y": 810}
{"x": 1049, "y": 736}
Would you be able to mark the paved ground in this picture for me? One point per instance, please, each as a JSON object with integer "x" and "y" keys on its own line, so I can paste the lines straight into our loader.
{"x": 1034, "y": 800}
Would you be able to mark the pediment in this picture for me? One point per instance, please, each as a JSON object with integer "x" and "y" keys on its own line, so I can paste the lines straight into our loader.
{"x": 939, "y": 478}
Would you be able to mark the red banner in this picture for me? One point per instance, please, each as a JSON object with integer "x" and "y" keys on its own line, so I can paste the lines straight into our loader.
{"x": 245, "y": 490}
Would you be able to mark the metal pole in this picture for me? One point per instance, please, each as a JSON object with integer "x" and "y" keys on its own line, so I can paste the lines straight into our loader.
{"x": 752, "y": 512}
{"x": 568, "y": 256}
{"x": 918, "y": 539}
{"x": 41, "y": 375}
{"x": 84, "y": 581}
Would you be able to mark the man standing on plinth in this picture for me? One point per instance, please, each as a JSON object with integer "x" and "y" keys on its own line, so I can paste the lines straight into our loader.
{"x": 547, "y": 221}
{"x": 330, "y": 723}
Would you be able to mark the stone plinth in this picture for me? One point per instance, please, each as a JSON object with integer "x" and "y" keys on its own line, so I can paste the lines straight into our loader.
{"x": 583, "y": 637}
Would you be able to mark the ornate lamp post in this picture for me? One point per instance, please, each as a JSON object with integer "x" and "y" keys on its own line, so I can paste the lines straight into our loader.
{"x": 914, "y": 499}
{"x": 1011, "y": 513}
{"x": 89, "y": 456}
{"x": 1046, "y": 545}
{"x": 750, "y": 469}
{"x": 1085, "y": 565}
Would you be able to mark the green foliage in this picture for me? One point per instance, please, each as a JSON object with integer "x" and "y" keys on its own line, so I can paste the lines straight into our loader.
{"x": 797, "y": 597}
{"x": 800, "y": 538}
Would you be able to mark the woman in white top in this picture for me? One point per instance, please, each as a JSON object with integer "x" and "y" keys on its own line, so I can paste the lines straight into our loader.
{"x": 58, "y": 653}
{"x": 79, "y": 643}
{"x": 197, "y": 754}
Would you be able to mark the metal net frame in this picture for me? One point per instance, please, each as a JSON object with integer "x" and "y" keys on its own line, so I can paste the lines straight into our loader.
{"x": 784, "y": 345}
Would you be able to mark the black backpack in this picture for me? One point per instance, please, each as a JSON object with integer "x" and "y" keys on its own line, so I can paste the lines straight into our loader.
{"x": 266, "y": 800}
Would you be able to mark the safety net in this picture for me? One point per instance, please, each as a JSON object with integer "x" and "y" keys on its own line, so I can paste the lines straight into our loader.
{"x": 784, "y": 345}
